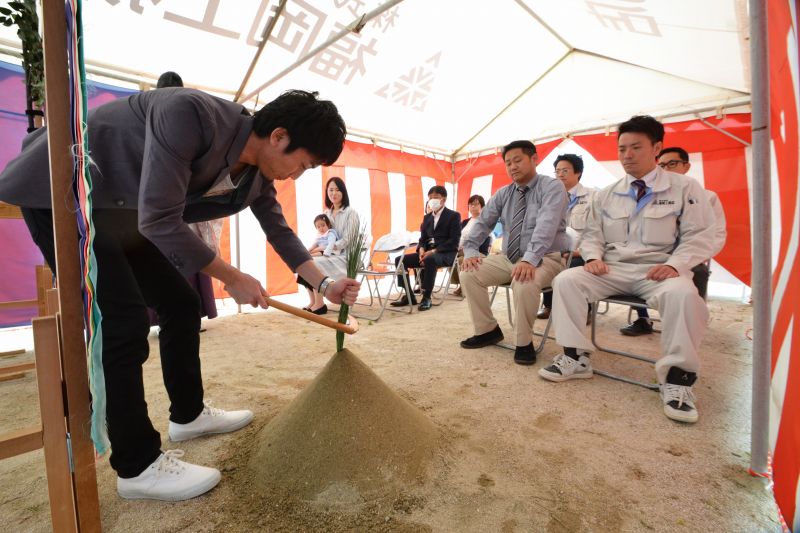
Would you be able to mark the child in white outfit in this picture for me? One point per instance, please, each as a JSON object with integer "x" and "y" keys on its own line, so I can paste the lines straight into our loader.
{"x": 326, "y": 238}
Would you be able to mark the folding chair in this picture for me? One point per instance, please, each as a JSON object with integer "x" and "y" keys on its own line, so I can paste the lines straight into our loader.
{"x": 443, "y": 287}
{"x": 375, "y": 271}
{"x": 632, "y": 302}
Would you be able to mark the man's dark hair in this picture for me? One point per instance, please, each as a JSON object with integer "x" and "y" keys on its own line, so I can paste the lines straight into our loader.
{"x": 573, "y": 159}
{"x": 323, "y": 217}
{"x": 527, "y": 147}
{"x": 683, "y": 154}
{"x": 342, "y": 188}
{"x": 643, "y": 124}
{"x": 169, "y": 79}
{"x": 477, "y": 198}
{"x": 438, "y": 189}
{"x": 312, "y": 124}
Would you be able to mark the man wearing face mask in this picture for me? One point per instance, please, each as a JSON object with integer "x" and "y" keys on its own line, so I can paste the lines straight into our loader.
{"x": 438, "y": 244}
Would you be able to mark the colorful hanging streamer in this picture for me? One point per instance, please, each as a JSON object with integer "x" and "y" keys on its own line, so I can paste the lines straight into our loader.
{"x": 82, "y": 185}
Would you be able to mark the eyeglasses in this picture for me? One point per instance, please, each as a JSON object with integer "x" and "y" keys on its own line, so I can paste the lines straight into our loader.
{"x": 562, "y": 171}
{"x": 672, "y": 163}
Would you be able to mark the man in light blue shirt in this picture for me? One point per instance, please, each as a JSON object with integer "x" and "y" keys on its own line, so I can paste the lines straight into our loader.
{"x": 532, "y": 210}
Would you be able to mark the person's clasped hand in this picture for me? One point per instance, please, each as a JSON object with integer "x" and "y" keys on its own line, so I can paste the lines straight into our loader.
{"x": 245, "y": 289}
{"x": 344, "y": 290}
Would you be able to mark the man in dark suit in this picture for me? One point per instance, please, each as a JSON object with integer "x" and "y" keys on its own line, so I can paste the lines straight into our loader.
{"x": 438, "y": 244}
{"x": 160, "y": 160}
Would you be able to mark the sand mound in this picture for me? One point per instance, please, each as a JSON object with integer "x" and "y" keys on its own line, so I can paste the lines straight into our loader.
{"x": 346, "y": 439}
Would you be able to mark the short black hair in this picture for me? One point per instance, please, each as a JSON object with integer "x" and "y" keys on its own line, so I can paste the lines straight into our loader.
{"x": 323, "y": 217}
{"x": 312, "y": 124}
{"x": 573, "y": 159}
{"x": 169, "y": 79}
{"x": 438, "y": 189}
{"x": 477, "y": 198}
{"x": 643, "y": 124}
{"x": 342, "y": 188}
{"x": 527, "y": 147}
{"x": 683, "y": 154}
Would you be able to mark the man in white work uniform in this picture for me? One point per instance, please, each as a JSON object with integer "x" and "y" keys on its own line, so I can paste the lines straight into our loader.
{"x": 676, "y": 159}
{"x": 645, "y": 233}
{"x": 569, "y": 170}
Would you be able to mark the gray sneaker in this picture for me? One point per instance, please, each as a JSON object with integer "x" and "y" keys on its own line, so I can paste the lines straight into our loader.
{"x": 565, "y": 368}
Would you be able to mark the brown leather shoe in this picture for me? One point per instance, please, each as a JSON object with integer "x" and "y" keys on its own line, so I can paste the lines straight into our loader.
{"x": 544, "y": 313}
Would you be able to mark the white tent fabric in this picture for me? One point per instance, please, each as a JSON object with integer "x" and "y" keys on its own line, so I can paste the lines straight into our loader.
{"x": 450, "y": 76}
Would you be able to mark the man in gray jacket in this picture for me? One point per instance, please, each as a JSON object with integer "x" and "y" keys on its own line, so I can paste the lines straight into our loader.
{"x": 162, "y": 159}
{"x": 532, "y": 210}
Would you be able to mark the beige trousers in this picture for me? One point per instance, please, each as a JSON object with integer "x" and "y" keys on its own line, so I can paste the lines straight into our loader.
{"x": 684, "y": 314}
{"x": 496, "y": 270}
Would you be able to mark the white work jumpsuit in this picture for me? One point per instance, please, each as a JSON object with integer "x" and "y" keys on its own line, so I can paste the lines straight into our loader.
{"x": 672, "y": 224}
{"x": 578, "y": 212}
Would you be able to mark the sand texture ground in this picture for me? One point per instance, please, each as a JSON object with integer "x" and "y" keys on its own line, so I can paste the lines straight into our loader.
{"x": 503, "y": 449}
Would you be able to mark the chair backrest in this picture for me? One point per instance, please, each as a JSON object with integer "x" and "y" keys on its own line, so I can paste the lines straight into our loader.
{"x": 365, "y": 252}
{"x": 393, "y": 242}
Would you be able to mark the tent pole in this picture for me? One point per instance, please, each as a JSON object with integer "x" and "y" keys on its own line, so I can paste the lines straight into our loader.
{"x": 722, "y": 131}
{"x": 354, "y": 26}
{"x": 762, "y": 233}
{"x": 264, "y": 38}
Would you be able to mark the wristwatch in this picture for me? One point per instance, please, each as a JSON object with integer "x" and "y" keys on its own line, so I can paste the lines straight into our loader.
{"x": 324, "y": 284}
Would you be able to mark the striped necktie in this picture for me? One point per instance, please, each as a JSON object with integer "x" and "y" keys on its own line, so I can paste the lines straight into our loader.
{"x": 515, "y": 233}
{"x": 641, "y": 188}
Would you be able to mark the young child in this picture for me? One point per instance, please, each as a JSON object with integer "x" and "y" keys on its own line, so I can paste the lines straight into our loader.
{"x": 327, "y": 235}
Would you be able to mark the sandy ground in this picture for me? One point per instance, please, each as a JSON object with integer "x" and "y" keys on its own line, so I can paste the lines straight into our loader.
{"x": 517, "y": 454}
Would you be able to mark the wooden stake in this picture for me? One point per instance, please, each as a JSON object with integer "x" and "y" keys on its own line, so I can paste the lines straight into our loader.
{"x": 73, "y": 347}
{"x": 54, "y": 438}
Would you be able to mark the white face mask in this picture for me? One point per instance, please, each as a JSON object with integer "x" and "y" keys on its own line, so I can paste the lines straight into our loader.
{"x": 434, "y": 204}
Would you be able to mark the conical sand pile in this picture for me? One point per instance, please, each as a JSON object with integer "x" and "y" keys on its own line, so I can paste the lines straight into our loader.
{"x": 345, "y": 439}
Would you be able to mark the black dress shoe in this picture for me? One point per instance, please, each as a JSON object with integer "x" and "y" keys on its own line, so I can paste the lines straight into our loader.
{"x": 484, "y": 339}
{"x": 640, "y": 326}
{"x": 425, "y": 304}
{"x": 321, "y": 311}
{"x": 403, "y": 302}
{"x": 525, "y": 355}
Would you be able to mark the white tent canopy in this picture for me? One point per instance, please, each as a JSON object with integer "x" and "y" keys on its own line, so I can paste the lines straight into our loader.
{"x": 451, "y": 76}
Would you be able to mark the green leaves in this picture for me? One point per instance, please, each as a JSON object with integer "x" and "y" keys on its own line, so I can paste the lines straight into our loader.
{"x": 357, "y": 241}
{"x": 22, "y": 14}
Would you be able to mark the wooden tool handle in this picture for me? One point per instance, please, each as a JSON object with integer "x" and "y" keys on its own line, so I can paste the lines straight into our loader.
{"x": 349, "y": 328}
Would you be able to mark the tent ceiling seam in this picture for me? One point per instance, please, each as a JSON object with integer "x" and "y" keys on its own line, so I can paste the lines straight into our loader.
{"x": 546, "y": 26}
{"x": 623, "y": 62}
{"x": 605, "y": 126}
{"x": 514, "y": 101}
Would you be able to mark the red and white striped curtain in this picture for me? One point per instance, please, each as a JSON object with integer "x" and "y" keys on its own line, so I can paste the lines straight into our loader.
{"x": 785, "y": 408}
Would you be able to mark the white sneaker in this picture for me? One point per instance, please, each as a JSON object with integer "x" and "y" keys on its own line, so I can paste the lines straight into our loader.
{"x": 679, "y": 403}
{"x": 565, "y": 367}
{"x": 169, "y": 479}
{"x": 209, "y": 422}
